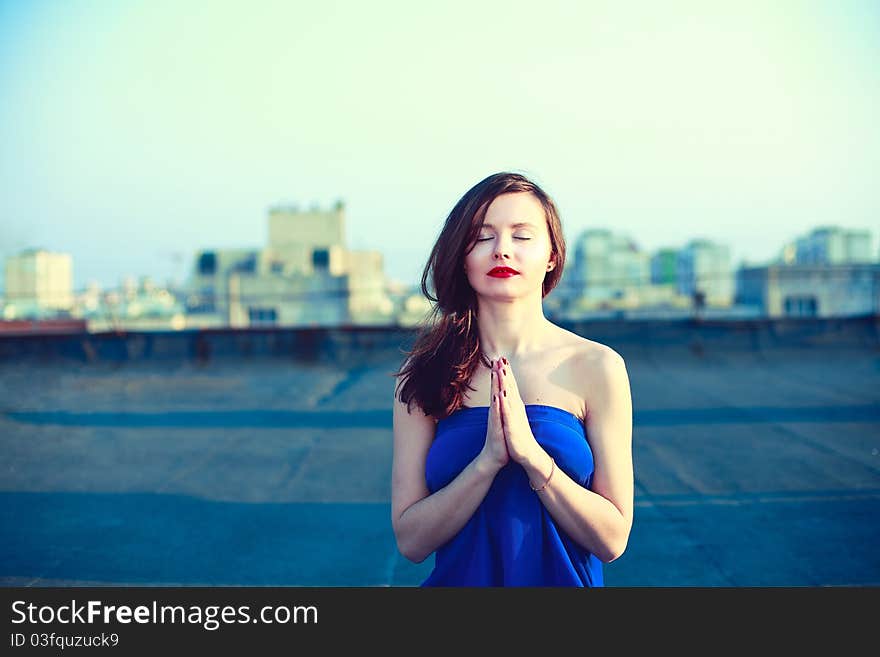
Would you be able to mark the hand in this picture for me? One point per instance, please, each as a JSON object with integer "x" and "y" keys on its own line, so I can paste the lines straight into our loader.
{"x": 495, "y": 448}
{"x": 521, "y": 444}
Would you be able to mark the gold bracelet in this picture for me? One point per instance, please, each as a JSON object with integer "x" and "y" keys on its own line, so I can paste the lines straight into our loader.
{"x": 549, "y": 477}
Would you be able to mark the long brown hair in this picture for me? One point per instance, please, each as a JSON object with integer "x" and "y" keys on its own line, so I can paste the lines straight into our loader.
{"x": 447, "y": 349}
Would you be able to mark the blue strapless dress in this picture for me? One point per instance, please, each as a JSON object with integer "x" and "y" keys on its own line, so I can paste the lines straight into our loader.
{"x": 511, "y": 540}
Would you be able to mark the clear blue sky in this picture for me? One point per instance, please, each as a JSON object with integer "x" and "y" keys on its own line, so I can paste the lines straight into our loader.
{"x": 134, "y": 133}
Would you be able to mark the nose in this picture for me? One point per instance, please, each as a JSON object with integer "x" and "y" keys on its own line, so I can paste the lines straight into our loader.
{"x": 500, "y": 251}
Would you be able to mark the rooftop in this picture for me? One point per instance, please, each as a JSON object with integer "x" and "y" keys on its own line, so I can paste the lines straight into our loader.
{"x": 756, "y": 450}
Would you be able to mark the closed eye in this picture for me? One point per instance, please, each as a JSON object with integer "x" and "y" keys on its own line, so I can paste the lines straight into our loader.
{"x": 483, "y": 239}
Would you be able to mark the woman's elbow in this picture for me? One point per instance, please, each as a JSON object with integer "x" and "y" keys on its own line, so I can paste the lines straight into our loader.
{"x": 607, "y": 556}
{"x": 613, "y": 549}
{"x": 411, "y": 552}
{"x": 407, "y": 546}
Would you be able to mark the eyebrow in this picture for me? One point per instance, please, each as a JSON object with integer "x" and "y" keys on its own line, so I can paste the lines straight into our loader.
{"x": 521, "y": 224}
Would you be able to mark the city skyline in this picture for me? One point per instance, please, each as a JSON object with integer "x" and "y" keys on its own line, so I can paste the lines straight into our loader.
{"x": 574, "y": 265}
{"x": 139, "y": 134}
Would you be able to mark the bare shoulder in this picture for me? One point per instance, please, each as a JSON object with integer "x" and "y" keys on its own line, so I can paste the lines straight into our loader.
{"x": 600, "y": 371}
{"x": 590, "y": 355}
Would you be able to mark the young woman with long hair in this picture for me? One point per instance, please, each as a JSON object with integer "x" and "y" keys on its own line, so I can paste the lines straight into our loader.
{"x": 512, "y": 436}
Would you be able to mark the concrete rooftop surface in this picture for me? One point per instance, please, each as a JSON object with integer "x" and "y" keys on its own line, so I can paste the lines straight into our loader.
{"x": 757, "y": 462}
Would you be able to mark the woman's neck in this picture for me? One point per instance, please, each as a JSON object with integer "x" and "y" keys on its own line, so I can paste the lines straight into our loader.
{"x": 511, "y": 330}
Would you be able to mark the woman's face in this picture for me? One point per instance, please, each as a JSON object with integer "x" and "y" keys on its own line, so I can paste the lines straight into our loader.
{"x": 514, "y": 235}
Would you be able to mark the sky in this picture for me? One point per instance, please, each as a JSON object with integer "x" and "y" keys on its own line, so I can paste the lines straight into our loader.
{"x": 134, "y": 133}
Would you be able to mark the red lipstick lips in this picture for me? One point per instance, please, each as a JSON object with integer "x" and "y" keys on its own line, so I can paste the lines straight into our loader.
{"x": 503, "y": 272}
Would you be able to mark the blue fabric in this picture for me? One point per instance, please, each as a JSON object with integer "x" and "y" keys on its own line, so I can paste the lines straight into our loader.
{"x": 511, "y": 540}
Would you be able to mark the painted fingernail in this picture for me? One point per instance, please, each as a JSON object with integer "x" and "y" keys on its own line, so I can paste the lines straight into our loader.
{"x": 494, "y": 398}
{"x": 504, "y": 372}
{"x": 505, "y": 361}
{"x": 505, "y": 392}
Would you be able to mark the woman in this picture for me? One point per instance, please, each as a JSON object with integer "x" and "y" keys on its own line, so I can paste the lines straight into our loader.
{"x": 512, "y": 436}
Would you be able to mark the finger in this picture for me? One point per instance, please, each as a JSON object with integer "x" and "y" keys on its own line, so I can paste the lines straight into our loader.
{"x": 493, "y": 399}
{"x": 500, "y": 392}
{"x": 512, "y": 406}
{"x": 503, "y": 377}
{"x": 509, "y": 379}
{"x": 494, "y": 402}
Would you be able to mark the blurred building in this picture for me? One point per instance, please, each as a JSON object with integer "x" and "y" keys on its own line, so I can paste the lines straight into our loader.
{"x": 135, "y": 306}
{"x": 39, "y": 283}
{"x": 830, "y": 246}
{"x": 704, "y": 273}
{"x": 606, "y": 265}
{"x": 208, "y": 286}
{"x": 811, "y": 290}
{"x": 610, "y": 275}
{"x": 304, "y": 276}
{"x": 294, "y": 237}
{"x": 664, "y": 267}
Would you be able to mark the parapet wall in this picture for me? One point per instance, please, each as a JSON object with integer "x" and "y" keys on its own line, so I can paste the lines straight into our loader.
{"x": 691, "y": 338}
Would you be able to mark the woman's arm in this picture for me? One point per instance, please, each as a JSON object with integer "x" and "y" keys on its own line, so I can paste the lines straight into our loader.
{"x": 600, "y": 519}
{"x": 423, "y": 522}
